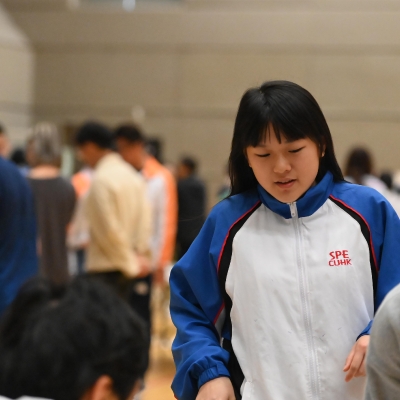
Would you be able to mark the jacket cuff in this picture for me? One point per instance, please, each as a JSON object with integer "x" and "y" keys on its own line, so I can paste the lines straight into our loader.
{"x": 366, "y": 331}
{"x": 212, "y": 373}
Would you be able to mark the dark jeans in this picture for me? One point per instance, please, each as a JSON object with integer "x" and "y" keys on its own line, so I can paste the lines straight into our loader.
{"x": 139, "y": 296}
{"x": 80, "y": 260}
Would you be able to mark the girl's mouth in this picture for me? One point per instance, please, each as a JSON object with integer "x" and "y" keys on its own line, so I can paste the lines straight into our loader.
{"x": 285, "y": 184}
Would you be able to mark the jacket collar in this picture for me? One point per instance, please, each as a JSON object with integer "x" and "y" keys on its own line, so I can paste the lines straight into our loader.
{"x": 310, "y": 202}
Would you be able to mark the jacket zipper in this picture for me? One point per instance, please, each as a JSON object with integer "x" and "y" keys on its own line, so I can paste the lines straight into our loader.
{"x": 305, "y": 303}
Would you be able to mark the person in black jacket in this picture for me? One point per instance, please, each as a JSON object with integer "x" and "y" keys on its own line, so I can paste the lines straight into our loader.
{"x": 191, "y": 203}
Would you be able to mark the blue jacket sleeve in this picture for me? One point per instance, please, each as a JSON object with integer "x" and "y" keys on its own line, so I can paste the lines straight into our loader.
{"x": 385, "y": 231}
{"x": 195, "y": 302}
{"x": 388, "y": 262}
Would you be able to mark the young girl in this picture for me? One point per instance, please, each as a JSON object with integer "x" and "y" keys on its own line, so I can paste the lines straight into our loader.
{"x": 275, "y": 298}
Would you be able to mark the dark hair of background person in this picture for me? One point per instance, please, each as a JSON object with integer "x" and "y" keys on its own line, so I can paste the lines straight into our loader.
{"x": 2, "y": 130}
{"x": 55, "y": 342}
{"x": 18, "y": 157}
{"x": 387, "y": 178}
{"x": 130, "y": 132}
{"x": 96, "y": 133}
{"x": 190, "y": 163}
{"x": 154, "y": 147}
{"x": 359, "y": 163}
{"x": 293, "y": 113}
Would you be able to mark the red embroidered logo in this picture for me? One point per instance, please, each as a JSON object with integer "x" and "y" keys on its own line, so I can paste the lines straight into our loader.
{"x": 339, "y": 257}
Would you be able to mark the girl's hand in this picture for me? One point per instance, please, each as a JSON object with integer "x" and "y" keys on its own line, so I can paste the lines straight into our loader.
{"x": 217, "y": 389}
{"x": 355, "y": 362}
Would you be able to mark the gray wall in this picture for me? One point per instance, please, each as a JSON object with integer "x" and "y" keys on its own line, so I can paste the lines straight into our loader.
{"x": 189, "y": 64}
{"x": 16, "y": 78}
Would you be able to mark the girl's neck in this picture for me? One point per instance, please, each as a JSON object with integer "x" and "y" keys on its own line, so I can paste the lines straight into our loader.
{"x": 44, "y": 172}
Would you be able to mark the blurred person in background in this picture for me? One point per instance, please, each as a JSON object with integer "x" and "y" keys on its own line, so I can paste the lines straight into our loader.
{"x": 360, "y": 170}
{"x": 225, "y": 187}
{"x": 162, "y": 193}
{"x": 54, "y": 200}
{"x": 18, "y": 258}
{"x": 162, "y": 182}
{"x": 78, "y": 341}
{"x": 78, "y": 233}
{"x": 18, "y": 158}
{"x": 117, "y": 213}
{"x": 5, "y": 146}
{"x": 387, "y": 178}
{"x": 391, "y": 193}
{"x": 154, "y": 147}
{"x": 162, "y": 197}
{"x": 191, "y": 204}
{"x": 396, "y": 181}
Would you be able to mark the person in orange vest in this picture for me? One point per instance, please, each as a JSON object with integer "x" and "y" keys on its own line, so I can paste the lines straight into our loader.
{"x": 162, "y": 194}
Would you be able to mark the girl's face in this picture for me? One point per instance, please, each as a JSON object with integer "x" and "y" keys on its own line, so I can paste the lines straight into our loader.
{"x": 285, "y": 170}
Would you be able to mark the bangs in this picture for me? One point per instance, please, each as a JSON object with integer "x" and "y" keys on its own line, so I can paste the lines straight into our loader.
{"x": 280, "y": 121}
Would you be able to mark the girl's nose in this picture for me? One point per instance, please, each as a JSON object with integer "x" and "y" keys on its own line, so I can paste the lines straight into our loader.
{"x": 282, "y": 165}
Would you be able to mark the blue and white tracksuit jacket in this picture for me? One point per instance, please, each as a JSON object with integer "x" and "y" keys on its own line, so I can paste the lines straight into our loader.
{"x": 275, "y": 295}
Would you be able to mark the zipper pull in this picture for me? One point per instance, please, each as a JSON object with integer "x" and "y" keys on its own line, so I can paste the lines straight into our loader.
{"x": 293, "y": 209}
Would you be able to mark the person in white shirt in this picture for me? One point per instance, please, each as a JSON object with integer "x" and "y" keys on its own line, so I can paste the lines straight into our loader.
{"x": 117, "y": 211}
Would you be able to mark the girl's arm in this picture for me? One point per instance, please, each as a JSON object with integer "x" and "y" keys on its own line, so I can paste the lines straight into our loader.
{"x": 389, "y": 265}
{"x": 195, "y": 303}
{"x": 384, "y": 226}
{"x": 385, "y": 230}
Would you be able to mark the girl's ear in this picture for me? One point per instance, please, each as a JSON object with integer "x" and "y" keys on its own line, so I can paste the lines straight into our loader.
{"x": 323, "y": 148}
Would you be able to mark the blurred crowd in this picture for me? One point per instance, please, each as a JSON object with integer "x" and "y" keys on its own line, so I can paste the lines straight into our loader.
{"x": 121, "y": 218}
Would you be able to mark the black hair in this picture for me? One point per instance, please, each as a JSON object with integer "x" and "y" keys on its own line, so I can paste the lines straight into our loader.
{"x": 55, "y": 342}
{"x": 293, "y": 113}
{"x": 96, "y": 133}
{"x": 2, "y": 130}
{"x": 18, "y": 157}
{"x": 359, "y": 163}
{"x": 387, "y": 178}
{"x": 190, "y": 163}
{"x": 130, "y": 132}
{"x": 154, "y": 147}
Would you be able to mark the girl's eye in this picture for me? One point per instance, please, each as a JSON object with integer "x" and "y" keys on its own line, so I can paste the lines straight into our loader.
{"x": 262, "y": 155}
{"x": 297, "y": 150}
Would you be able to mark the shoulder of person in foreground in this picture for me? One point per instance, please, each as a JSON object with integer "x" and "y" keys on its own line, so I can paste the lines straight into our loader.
{"x": 60, "y": 342}
{"x": 383, "y": 359}
{"x": 197, "y": 306}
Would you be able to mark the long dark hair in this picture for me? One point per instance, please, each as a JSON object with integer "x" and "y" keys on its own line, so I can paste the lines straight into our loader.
{"x": 293, "y": 113}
